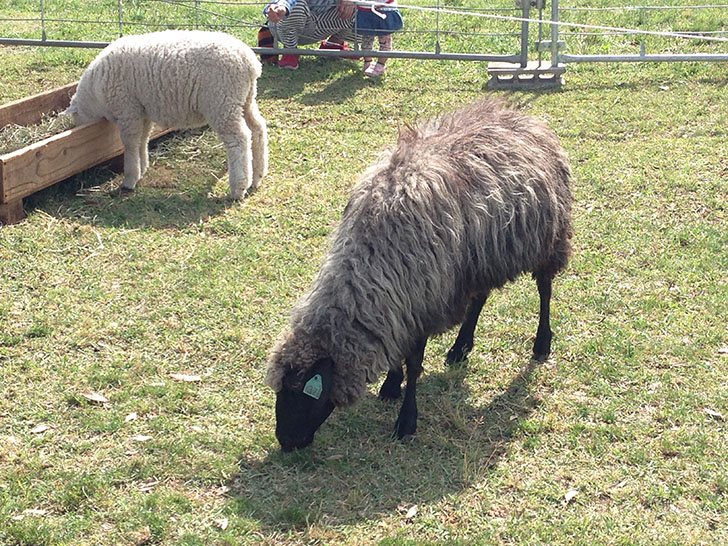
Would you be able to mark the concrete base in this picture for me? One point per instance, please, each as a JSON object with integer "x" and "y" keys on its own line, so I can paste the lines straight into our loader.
{"x": 535, "y": 75}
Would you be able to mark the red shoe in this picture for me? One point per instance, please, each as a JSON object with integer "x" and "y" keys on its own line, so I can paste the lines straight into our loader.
{"x": 289, "y": 62}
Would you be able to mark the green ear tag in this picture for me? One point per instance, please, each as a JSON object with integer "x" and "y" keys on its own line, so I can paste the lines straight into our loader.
{"x": 314, "y": 387}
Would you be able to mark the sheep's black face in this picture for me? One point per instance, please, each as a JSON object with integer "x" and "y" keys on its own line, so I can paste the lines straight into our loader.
{"x": 303, "y": 405}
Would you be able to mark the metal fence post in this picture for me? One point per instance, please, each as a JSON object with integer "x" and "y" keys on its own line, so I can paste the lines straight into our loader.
{"x": 121, "y": 19}
{"x": 526, "y": 11}
{"x": 554, "y": 32}
{"x": 42, "y": 21}
{"x": 437, "y": 29}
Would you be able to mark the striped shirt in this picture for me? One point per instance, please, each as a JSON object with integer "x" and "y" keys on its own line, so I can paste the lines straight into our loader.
{"x": 316, "y": 6}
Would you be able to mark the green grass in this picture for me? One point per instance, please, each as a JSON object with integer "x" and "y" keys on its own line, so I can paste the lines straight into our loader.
{"x": 111, "y": 293}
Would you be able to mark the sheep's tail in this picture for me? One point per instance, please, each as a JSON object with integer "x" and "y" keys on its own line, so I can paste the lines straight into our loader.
{"x": 252, "y": 58}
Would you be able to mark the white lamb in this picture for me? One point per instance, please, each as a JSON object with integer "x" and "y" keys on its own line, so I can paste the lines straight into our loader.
{"x": 178, "y": 78}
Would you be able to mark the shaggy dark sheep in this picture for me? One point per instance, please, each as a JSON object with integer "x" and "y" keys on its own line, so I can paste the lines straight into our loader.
{"x": 462, "y": 205}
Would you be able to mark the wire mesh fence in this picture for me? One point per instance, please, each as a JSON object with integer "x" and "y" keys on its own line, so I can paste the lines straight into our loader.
{"x": 472, "y": 30}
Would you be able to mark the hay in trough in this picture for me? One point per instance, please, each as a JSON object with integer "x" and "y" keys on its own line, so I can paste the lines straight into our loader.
{"x": 14, "y": 137}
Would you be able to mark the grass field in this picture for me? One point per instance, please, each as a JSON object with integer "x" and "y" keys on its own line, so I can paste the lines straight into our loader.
{"x": 620, "y": 438}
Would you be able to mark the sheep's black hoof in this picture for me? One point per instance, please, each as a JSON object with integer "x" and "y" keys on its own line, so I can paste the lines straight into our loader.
{"x": 125, "y": 191}
{"x": 540, "y": 357}
{"x": 391, "y": 390}
{"x": 405, "y": 427}
{"x": 458, "y": 354}
{"x": 542, "y": 348}
{"x": 540, "y": 354}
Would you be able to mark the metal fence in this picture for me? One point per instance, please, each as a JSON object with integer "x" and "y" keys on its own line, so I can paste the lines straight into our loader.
{"x": 437, "y": 31}
{"x": 644, "y": 33}
{"x": 524, "y": 33}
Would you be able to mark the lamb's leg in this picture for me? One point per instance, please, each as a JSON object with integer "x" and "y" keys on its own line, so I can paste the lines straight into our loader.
{"x": 131, "y": 132}
{"x": 259, "y": 139}
{"x": 542, "y": 344}
{"x": 407, "y": 421}
{"x": 464, "y": 342}
{"x": 144, "y": 147}
{"x": 392, "y": 386}
{"x": 237, "y": 143}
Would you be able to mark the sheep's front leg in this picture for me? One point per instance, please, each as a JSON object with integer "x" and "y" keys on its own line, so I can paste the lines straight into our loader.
{"x": 464, "y": 342}
{"x": 542, "y": 344}
{"x": 392, "y": 387}
{"x": 131, "y": 132}
{"x": 407, "y": 421}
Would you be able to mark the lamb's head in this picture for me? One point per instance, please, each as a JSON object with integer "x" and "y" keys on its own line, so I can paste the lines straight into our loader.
{"x": 85, "y": 107}
{"x": 303, "y": 392}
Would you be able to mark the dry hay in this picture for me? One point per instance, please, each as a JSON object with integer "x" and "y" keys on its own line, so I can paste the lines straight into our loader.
{"x": 14, "y": 137}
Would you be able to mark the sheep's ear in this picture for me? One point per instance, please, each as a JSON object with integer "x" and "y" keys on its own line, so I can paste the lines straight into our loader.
{"x": 315, "y": 382}
{"x": 290, "y": 379}
{"x": 319, "y": 379}
{"x": 324, "y": 367}
{"x": 73, "y": 109}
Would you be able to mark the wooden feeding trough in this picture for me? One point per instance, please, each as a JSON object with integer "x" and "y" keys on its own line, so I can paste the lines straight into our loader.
{"x": 48, "y": 161}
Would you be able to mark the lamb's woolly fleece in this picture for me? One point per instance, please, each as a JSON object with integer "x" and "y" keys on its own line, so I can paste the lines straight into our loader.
{"x": 178, "y": 78}
{"x": 464, "y": 203}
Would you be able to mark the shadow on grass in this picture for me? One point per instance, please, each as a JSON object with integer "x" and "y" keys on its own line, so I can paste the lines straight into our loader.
{"x": 161, "y": 200}
{"x": 355, "y": 472}
{"x": 637, "y": 84}
{"x": 276, "y": 83}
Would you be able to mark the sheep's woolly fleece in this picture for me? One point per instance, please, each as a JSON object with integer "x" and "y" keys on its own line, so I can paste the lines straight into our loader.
{"x": 179, "y": 78}
{"x": 462, "y": 204}
{"x": 149, "y": 75}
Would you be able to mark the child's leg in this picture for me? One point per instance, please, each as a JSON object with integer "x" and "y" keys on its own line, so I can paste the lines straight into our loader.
{"x": 367, "y": 43}
{"x": 378, "y": 68}
{"x": 385, "y": 44}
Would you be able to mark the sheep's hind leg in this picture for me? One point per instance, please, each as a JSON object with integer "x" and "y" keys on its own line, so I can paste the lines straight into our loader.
{"x": 131, "y": 132}
{"x": 144, "y": 147}
{"x": 237, "y": 143}
{"x": 259, "y": 139}
{"x": 464, "y": 342}
{"x": 542, "y": 344}
{"x": 406, "y": 424}
{"x": 392, "y": 387}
